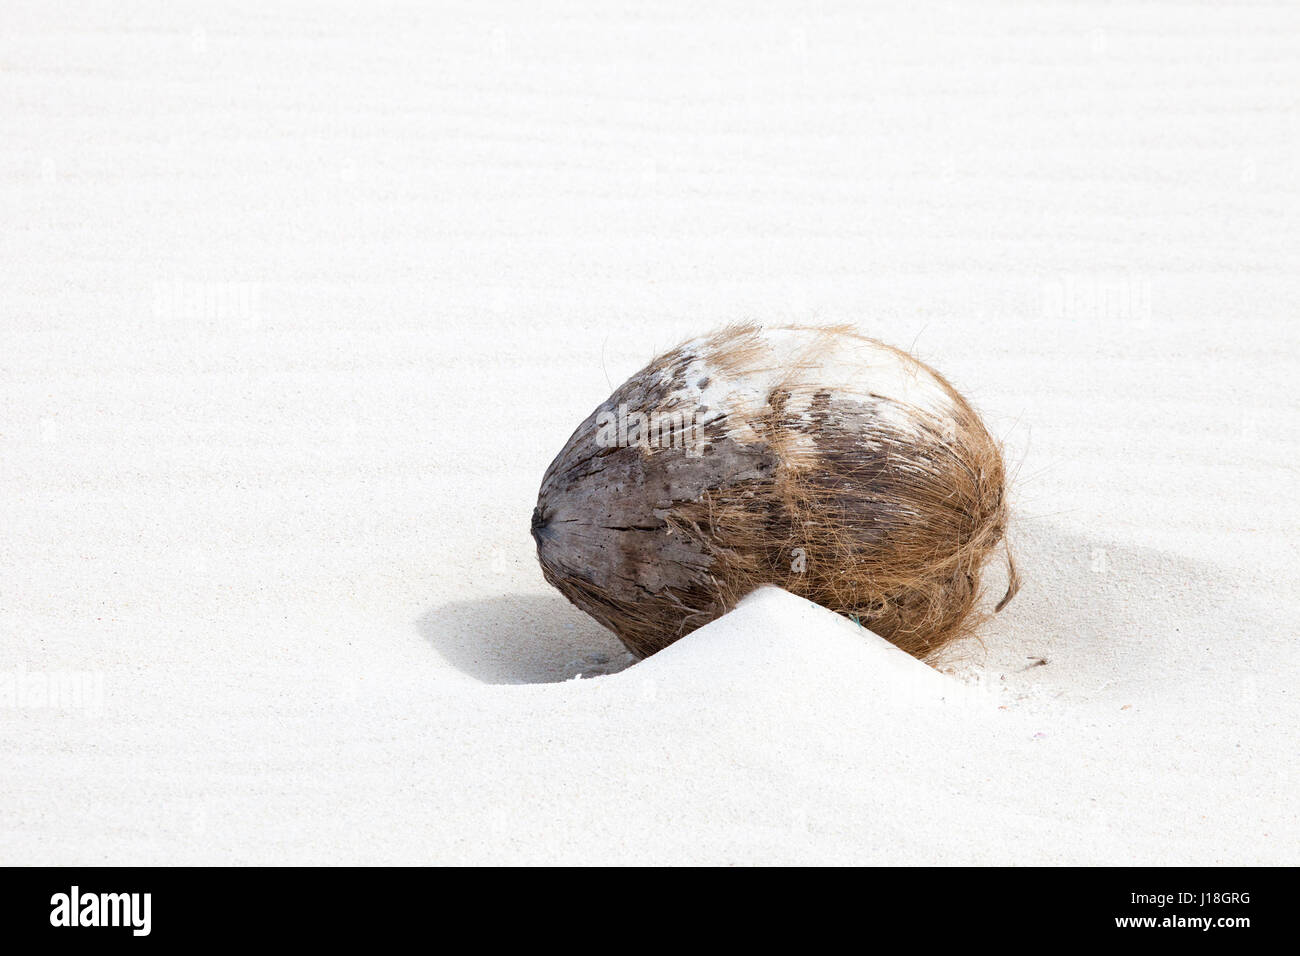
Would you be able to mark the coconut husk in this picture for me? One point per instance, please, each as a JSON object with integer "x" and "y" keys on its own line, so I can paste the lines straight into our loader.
{"x": 811, "y": 458}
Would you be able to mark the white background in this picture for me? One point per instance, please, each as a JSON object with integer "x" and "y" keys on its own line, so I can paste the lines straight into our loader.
{"x": 297, "y": 301}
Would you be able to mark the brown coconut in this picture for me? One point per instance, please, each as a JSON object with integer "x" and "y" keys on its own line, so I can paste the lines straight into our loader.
{"x": 812, "y": 458}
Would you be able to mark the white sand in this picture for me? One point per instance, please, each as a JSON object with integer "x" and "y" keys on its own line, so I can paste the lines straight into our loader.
{"x": 297, "y": 305}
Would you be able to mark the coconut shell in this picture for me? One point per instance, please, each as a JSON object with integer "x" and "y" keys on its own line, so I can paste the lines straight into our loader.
{"x": 811, "y": 458}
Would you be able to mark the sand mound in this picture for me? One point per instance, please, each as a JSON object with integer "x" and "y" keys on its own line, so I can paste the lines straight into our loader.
{"x": 773, "y": 637}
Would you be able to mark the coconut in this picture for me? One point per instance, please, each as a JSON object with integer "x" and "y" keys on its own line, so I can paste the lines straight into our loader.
{"x": 815, "y": 459}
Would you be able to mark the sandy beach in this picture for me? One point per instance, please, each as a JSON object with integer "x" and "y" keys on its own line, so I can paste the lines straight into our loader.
{"x": 298, "y": 301}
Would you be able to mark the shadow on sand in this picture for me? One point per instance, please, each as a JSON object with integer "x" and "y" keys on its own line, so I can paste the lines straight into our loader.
{"x": 522, "y": 639}
{"x": 1098, "y": 613}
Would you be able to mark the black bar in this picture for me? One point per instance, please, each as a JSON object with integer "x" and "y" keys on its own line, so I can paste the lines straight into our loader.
{"x": 329, "y": 906}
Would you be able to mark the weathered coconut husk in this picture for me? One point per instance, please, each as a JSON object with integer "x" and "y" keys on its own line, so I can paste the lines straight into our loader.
{"x": 813, "y": 458}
